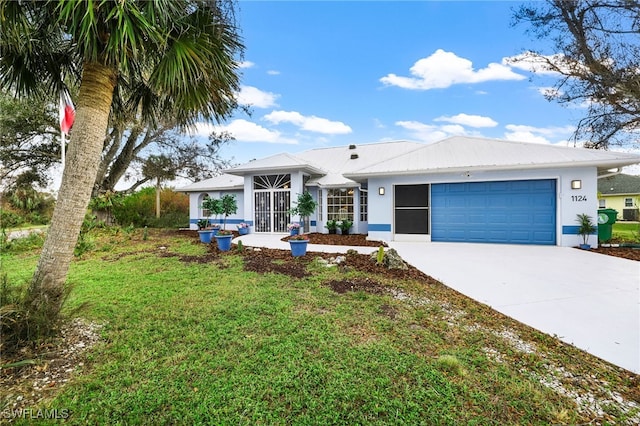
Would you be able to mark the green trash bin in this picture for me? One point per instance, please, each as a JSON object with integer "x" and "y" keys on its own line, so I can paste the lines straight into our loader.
{"x": 606, "y": 219}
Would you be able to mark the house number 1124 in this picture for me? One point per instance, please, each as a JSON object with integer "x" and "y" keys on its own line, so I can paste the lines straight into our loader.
{"x": 578, "y": 198}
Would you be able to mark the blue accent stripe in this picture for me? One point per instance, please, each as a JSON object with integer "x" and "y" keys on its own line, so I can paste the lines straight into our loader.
{"x": 221, "y": 221}
{"x": 380, "y": 227}
{"x": 573, "y": 230}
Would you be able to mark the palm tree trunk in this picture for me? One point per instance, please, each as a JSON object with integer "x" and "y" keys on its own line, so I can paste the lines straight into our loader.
{"x": 87, "y": 140}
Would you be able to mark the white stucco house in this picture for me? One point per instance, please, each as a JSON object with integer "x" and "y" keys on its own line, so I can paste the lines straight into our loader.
{"x": 460, "y": 189}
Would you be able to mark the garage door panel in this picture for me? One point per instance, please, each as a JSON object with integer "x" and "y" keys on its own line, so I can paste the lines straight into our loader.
{"x": 516, "y": 212}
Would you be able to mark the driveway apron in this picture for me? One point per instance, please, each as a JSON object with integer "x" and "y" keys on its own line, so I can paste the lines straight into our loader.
{"x": 586, "y": 299}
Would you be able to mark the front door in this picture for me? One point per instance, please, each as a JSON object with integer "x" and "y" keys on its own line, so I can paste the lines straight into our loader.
{"x": 272, "y": 201}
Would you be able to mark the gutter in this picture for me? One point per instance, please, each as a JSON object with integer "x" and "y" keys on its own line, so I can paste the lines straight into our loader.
{"x": 617, "y": 172}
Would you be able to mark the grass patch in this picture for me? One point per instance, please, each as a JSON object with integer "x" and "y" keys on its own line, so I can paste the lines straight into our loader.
{"x": 186, "y": 342}
{"x": 626, "y": 232}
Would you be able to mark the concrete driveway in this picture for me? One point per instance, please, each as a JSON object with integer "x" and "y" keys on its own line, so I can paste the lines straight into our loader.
{"x": 587, "y": 299}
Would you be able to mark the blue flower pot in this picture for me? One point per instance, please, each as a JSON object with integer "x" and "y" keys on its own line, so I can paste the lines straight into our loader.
{"x": 205, "y": 235}
{"x": 224, "y": 242}
{"x": 298, "y": 247}
{"x": 243, "y": 231}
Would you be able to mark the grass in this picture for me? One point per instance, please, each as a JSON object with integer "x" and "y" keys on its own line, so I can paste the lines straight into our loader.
{"x": 192, "y": 343}
{"x": 626, "y": 232}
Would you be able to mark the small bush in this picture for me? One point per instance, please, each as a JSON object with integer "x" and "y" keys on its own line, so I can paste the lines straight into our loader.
{"x": 9, "y": 219}
{"x": 138, "y": 209}
{"x": 34, "y": 240}
{"x": 23, "y": 322}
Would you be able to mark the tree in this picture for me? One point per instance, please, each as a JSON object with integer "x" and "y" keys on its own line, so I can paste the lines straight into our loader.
{"x": 305, "y": 206}
{"x": 127, "y": 147}
{"x": 151, "y": 60}
{"x": 597, "y": 59}
{"x": 29, "y": 139}
{"x": 159, "y": 167}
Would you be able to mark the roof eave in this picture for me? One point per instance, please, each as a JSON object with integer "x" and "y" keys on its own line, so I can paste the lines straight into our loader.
{"x": 275, "y": 169}
{"x": 601, "y": 165}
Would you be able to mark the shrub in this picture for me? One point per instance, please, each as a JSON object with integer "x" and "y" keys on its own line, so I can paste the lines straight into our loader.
{"x": 138, "y": 209}
{"x": 9, "y": 219}
{"x": 21, "y": 321}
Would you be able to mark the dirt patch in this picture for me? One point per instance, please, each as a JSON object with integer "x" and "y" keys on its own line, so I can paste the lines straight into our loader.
{"x": 624, "y": 252}
{"x": 41, "y": 372}
{"x": 359, "y": 240}
{"x": 362, "y": 284}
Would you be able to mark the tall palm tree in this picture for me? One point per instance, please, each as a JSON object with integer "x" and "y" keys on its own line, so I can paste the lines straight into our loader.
{"x": 151, "y": 59}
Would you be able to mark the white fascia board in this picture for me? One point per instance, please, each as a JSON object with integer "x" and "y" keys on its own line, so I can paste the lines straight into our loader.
{"x": 596, "y": 163}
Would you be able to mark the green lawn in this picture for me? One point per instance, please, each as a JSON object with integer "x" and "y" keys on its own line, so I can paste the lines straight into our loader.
{"x": 626, "y": 232}
{"x": 191, "y": 343}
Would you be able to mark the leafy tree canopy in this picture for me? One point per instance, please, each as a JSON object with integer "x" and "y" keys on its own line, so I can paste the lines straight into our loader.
{"x": 597, "y": 60}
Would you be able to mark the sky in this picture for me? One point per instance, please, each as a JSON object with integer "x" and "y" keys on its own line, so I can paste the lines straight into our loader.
{"x": 334, "y": 73}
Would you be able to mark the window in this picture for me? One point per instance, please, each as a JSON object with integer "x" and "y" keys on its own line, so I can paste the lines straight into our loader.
{"x": 602, "y": 203}
{"x": 364, "y": 207}
{"x": 628, "y": 202}
{"x": 320, "y": 204}
{"x": 340, "y": 204}
{"x": 272, "y": 182}
{"x": 205, "y": 212}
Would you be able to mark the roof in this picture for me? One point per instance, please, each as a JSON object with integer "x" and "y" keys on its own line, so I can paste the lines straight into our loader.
{"x": 327, "y": 166}
{"x": 344, "y": 166}
{"x": 619, "y": 184}
{"x": 275, "y": 163}
{"x": 462, "y": 153}
{"x": 217, "y": 183}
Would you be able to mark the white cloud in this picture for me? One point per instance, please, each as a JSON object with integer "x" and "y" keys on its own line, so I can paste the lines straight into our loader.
{"x": 255, "y": 97}
{"x": 545, "y": 135}
{"x": 308, "y": 123}
{"x": 246, "y": 64}
{"x": 444, "y": 69}
{"x": 273, "y": 72}
{"x": 430, "y": 132}
{"x": 469, "y": 120}
{"x": 245, "y": 131}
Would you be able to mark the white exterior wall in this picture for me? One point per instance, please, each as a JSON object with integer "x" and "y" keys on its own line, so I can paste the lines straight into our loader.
{"x": 195, "y": 212}
{"x": 569, "y": 202}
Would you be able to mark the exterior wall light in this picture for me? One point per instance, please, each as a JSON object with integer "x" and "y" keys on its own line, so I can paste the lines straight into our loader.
{"x": 576, "y": 184}
{"x": 381, "y": 190}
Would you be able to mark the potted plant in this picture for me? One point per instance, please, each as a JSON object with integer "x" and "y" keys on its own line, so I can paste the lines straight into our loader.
{"x": 228, "y": 206}
{"x": 294, "y": 228}
{"x": 243, "y": 228}
{"x": 332, "y": 226}
{"x": 586, "y": 227}
{"x": 305, "y": 206}
{"x": 345, "y": 225}
{"x": 298, "y": 245}
{"x": 213, "y": 206}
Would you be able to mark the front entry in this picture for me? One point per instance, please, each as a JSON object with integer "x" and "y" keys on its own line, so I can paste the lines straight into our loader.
{"x": 272, "y": 201}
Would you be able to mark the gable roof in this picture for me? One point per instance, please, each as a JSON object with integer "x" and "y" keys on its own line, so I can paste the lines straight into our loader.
{"x": 216, "y": 183}
{"x": 461, "y": 153}
{"x": 327, "y": 166}
{"x": 619, "y": 184}
{"x": 277, "y": 163}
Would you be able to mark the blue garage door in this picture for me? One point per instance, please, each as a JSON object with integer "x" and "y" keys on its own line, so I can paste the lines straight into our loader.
{"x": 514, "y": 212}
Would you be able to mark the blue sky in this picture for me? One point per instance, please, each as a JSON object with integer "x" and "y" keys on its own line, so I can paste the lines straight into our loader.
{"x": 334, "y": 73}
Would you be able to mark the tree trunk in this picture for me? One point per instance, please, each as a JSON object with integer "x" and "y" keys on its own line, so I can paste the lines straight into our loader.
{"x": 158, "y": 190}
{"x": 87, "y": 140}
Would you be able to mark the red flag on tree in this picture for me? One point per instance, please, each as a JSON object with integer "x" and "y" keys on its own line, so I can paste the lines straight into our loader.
{"x": 67, "y": 112}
